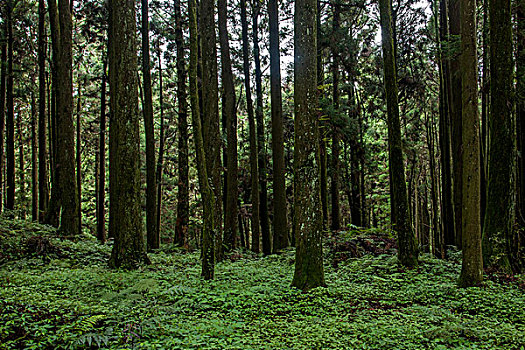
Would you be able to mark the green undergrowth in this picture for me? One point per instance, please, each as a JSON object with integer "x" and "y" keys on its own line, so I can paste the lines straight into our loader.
{"x": 58, "y": 293}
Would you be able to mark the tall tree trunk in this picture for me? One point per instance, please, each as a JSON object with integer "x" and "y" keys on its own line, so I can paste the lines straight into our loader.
{"x": 456, "y": 122}
{"x": 124, "y": 140}
{"x": 401, "y": 223}
{"x": 472, "y": 266}
{"x": 43, "y": 185}
{"x": 21, "y": 166}
{"x": 322, "y": 142}
{"x": 101, "y": 189}
{"x": 485, "y": 97}
{"x": 280, "y": 222}
{"x": 10, "y": 120}
{"x": 208, "y": 197}
{"x": 519, "y": 243}
{"x": 34, "y": 165}
{"x": 336, "y": 137}
{"x": 3, "y": 76}
{"x": 253, "y": 139}
{"x": 230, "y": 116}
{"x": 499, "y": 216}
{"x": 183, "y": 196}
{"x": 79, "y": 159}
{"x": 160, "y": 160}
{"x": 448, "y": 222}
{"x": 261, "y": 142}
{"x": 308, "y": 219}
{"x": 211, "y": 132}
{"x": 153, "y": 241}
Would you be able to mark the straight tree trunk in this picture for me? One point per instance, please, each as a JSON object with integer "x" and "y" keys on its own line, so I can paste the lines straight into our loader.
{"x": 485, "y": 97}
{"x": 519, "y": 244}
{"x": 10, "y": 120}
{"x": 456, "y": 121}
{"x": 43, "y": 185}
{"x": 153, "y": 241}
{"x": 336, "y": 137}
{"x": 101, "y": 189}
{"x": 3, "y": 76}
{"x": 401, "y": 223}
{"x": 21, "y": 167}
{"x": 308, "y": 219}
{"x": 183, "y": 196}
{"x": 210, "y": 98}
{"x": 322, "y": 127}
{"x": 124, "y": 141}
{"x": 280, "y": 221}
{"x": 499, "y": 216}
{"x": 160, "y": 160}
{"x": 230, "y": 117}
{"x": 208, "y": 197}
{"x": 252, "y": 138}
{"x": 261, "y": 142}
{"x": 79, "y": 159}
{"x": 472, "y": 266}
{"x": 34, "y": 164}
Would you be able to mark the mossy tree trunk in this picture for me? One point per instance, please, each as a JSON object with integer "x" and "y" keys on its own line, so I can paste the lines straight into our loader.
{"x": 472, "y": 266}
{"x": 124, "y": 141}
{"x": 208, "y": 197}
{"x": 229, "y": 115}
{"x": 254, "y": 172}
{"x": 308, "y": 219}
{"x": 183, "y": 196}
{"x": 499, "y": 216}
{"x": 401, "y": 222}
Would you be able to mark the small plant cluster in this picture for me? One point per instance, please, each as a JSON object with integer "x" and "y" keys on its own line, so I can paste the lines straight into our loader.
{"x": 60, "y": 294}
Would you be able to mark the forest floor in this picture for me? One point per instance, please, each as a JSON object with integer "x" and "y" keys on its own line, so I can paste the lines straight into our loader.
{"x": 57, "y": 293}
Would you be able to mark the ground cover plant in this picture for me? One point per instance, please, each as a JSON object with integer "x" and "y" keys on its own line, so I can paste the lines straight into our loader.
{"x": 58, "y": 293}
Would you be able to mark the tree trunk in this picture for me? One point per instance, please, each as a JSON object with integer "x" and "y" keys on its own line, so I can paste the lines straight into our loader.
{"x": 472, "y": 266}
{"x": 253, "y": 139}
{"x": 10, "y": 120}
{"x": 401, "y": 223}
{"x": 101, "y": 189}
{"x": 230, "y": 117}
{"x": 280, "y": 222}
{"x": 79, "y": 159}
{"x": 124, "y": 140}
{"x": 499, "y": 216}
{"x": 160, "y": 160}
{"x": 208, "y": 197}
{"x": 308, "y": 219}
{"x": 21, "y": 166}
{"x": 3, "y": 76}
{"x": 34, "y": 165}
{"x": 153, "y": 241}
{"x": 336, "y": 137}
{"x": 261, "y": 142}
{"x": 43, "y": 185}
{"x": 183, "y": 197}
{"x": 519, "y": 243}
{"x": 211, "y": 130}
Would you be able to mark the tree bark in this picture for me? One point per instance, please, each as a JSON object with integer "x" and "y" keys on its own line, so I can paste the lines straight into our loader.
{"x": 401, "y": 222}
{"x": 34, "y": 164}
{"x": 3, "y": 78}
{"x": 252, "y": 138}
{"x": 472, "y": 266}
{"x": 230, "y": 117}
{"x": 43, "y": 185}
{"x": 79, "y": 158}
{"x": 322, "y": 126}
{"x": 10, "y": 115}
{"x": 124, "y": 141}
{"x": 335, "y": 223}
{"x": 21, "y": 166}
{"x": 499, "y": 216}
{"x": 101, "y": 189}
{"x": 160, "y": 160}
{"x": 519, "y": 239}
{"x": 308, "y": 219}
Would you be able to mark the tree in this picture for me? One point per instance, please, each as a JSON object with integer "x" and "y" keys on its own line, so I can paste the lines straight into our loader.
{"x": 254, "y": 172}
{"x": 499, "y": 215}
{"x": 153, "y": 241}
{"x": 208, "y": 197}
{"x": 125, "y": 222}
{"x": 3, "y": 79}
{"x": 280, "y": 222}
{"x": 101, "y": 190}
{"x": 43, "y": 186}
{"x": 230, "y": 117}
{"x": 183, "y": 199}
{"x": 10, "y": 114}
{"x": 400, "y": 213}
{"x": 335, "y": 223}
{"x": 520, "y": 117}
{"x": 309, "y": 272}
{"x": 472, "y": 265}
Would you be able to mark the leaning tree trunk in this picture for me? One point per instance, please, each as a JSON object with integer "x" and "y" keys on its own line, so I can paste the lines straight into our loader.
{"x": 124, "y": 139}
{"x": 153, "y": 239}
{"x": 472, "y": 266}
{"x": 208, "y": 197}
{"x": 261, "y": 142}
{"x": 401, "y": 223}
{"x": 230, "y": 117}
{"x": 499, "y": 216}
{"x": 308, "y": 219}
{"x": 253, "y": 139}
{"x": 280, "y": 223}
{"x": 183, "y": 196}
